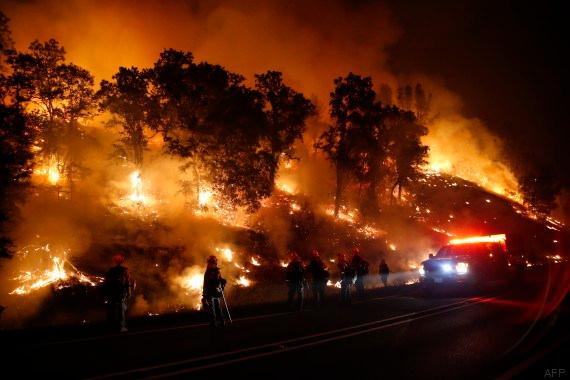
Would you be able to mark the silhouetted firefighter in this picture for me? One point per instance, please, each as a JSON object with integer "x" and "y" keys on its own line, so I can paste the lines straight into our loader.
{"x": 117, "y": 287}
{"x": 319, "y": 275}
{"x": 212, "y": 291}
{"x": 346, "y": 272}
{"x": 384, "y": 272}
{"x": 295, "y": 277}
{"x": 360, "y": 267}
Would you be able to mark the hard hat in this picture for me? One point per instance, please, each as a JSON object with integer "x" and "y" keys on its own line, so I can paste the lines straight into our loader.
{"x": 118, "y": 258}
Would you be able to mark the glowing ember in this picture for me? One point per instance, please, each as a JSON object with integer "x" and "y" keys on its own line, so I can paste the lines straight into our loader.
{"x": 193, "y": 282}
{"x": 345, "y": 214}
{"x": 243, "y": 281}
{"x": 227, "y": 253}
{"x": 295, "y": 207}
{"x": 440, "y": 166}
{"x": 283, "y": 263}
{"x": 50, "y": 170}
{"x": 392, "y": 247}
{"x": 136, "y": 186}
{"x": 204, "y": 197}
{"x": 286, "y": 187}
{"x": 442, "y": 231}
{"x": 370, "y": 232}
{"x": 255, "y": 262}
{"x": 500, "y": 238}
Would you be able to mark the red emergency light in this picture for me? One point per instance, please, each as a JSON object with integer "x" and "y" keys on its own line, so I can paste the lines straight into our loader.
{"x": 499, "y": 238}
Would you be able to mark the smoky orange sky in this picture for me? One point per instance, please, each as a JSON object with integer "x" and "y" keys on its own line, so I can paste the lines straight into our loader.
{"x": 311, "y": 43}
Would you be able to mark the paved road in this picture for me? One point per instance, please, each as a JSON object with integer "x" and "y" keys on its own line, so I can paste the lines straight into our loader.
{"x": 391, "y": 333}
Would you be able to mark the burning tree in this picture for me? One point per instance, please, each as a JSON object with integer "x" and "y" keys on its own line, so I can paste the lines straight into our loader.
{"x": 406, "y": 152}
{"x": 231, "y": 135}
{"x": 369, "y": 142}
{"x": 356, "y": 142}
{"x": 56, "y": 97}
{"x": 128, "y": 100}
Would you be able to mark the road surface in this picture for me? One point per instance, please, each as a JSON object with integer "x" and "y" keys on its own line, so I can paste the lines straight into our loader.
{"x": 390, "y": 333}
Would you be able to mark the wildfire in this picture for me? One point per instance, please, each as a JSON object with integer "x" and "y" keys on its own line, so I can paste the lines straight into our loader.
{"x": 227, "y": 253}
{"x": 295, "y": 207}
{"x": 193, "y": 282}
{"x": 344, "y": 213}
{"x": 204, "y": 197}
{"x": 137, "y": 195}
{"x": 370, "y": 232}
{"x": 243, "y": 281}
{"x": 440, "y": 166}
{"x": 50, "y": 170}
{"x": 286, "y": 187}
{"x": 57, "y": 275}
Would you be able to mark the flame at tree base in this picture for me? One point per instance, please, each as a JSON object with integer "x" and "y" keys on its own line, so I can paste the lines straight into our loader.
{"x": 61, "y": 274}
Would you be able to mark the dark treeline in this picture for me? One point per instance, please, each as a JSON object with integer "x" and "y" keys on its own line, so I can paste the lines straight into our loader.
{"x": 230, "y": 135}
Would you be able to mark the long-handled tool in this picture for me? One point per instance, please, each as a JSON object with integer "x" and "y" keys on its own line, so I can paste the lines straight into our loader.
{"x": 226, "y": 303}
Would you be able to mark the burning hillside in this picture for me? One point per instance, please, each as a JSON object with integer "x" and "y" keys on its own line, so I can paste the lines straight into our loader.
{"x": 179, "y": 159}
{"x": 252, "y": 257}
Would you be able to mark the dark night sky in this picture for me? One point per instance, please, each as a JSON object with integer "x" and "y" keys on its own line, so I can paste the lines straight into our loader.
{"x": 509, "y": 63}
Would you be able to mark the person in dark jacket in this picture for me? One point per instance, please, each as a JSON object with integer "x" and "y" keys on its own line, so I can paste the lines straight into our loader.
{"x": 295, "y": 277}
{"x": 361, "y": 268}
{"x": 346, "y": 273}
{"x": 384, "y": 271}
{"x": 319, "y": 275}
{"x": 117, "y": 288}
{"x": 212, "y": 289}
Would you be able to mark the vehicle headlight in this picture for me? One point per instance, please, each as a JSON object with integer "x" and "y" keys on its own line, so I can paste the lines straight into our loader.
{"x": 462, "y": 268}
{"x": 422, "y": 271}
{"x": 447, "y": 268}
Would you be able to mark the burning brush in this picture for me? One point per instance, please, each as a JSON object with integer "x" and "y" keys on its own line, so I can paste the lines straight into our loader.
{"x": 61, "y": 274}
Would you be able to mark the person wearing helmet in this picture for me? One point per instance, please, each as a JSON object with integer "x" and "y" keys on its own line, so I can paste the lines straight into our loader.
{"x": 361, "y": 268}
{"x": 212, "y": 289}
{"x": 319, "y": 275}
{"x": 117, "y": 287}
{"x": 295, "y": 278}
{"x": 346, "y": 274}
